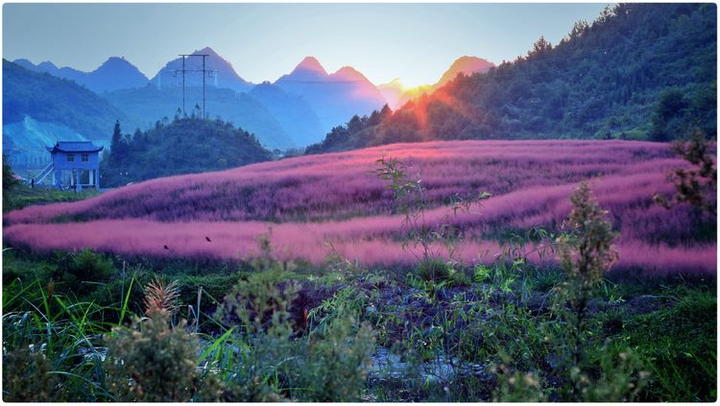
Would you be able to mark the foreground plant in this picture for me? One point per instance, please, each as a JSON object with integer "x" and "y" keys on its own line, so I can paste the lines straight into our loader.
{"x": 150, "y": 361}
{"x": 585, "y": 255}
{"x": 161, "y": 297}
{"x": 27, "y": 377}
{"x": 411, "y": 200}
{"x": 281, "y": 356}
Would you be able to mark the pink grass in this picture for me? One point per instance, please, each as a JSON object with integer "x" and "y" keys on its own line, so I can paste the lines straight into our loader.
{"x": 310, "y": 201}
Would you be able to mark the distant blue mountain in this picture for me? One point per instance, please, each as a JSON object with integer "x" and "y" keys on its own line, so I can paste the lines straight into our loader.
{"x": 294, "y": 113}
{"x": 38, "y": 107}
{"x": 335, "y": 97}
{"x": 115, "y": 73}
{"x": 297, "y": 110}
{"x": 223, "y": 77}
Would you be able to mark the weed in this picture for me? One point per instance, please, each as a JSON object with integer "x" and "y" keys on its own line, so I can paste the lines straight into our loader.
{"x": 79, "y": 271}
{"x": 586, "y": 253}
{"x": 518, "y": 386}
{"x": 161, "y": 297}
{"x": 28, "y": 377}
{"x": 152, "y": 362}
{"x": 336, "y": 369}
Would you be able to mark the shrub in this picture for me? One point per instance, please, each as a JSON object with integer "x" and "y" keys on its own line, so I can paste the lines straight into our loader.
{"x": 518, "y": 386}
{"x": 586, "y": 254}
{"x": 27, "y": 377}
{"x": 336, "y": 367}
{"x": 433, "y": 270}
{"x": 10, "y": 183}
{"x": 621, "y": 378}
{"x": 696, "y": 186}
{"x": 261, "y": 303}
{"x": 266, "y": 364}
{"x": 151, "y": 362}
{"x": 275, "y": 362}
{"x": 80, "y": 271}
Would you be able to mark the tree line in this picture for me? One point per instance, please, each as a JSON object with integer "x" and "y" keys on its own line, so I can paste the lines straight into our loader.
{"x": 639, "y": 71}
{"x": 184, "y": 145}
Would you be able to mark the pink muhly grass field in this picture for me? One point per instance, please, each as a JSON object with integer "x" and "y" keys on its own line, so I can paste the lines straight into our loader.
{"x": 317, "y": 201}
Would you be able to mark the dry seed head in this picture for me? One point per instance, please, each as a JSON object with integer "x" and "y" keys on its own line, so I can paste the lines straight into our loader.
{"x": 161, "y": 297}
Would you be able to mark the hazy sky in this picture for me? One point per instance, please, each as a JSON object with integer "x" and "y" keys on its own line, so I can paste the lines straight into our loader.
{"x": 415, "y": 42}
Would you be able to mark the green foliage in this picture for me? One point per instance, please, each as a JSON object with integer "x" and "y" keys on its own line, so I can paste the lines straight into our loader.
{"x": 353, "y": 135}
{"x": 621, "y": 377}
{"x": 214, "y": 288}
{"x": 509, "y": 335}
{"x": 696, "y": 186}
{"x": 151, "y": 105}
{"x": 117, "y": 146}
{"x": 336, "y": 369}
{"x": 20, "y": 196}
{"x": 585, "y": 254}
{"x": 151, "y": 362}
{"x": 411, "y": 202}
{"x": 330, "y": 365}
{"x": 8, "y": 185}
{"x": 678, "y": 344}
{"x": 261, "y": 303}
{"x": 518, "y": 387}
{"x": 187, "y": 145}
{"x": 433, "y": 270}
{"x": 78, "y": 272}
{"x": 409, "y": 196}
{"x": 23, "y": 270}
{"x": 50, "y": 99}
{"x": 28, "y": 377}
{"x": 639, "y": 71}
{"x": 348, "y": 303}
{"x": 668, "y": 119}
{"x": 58, "y": 340}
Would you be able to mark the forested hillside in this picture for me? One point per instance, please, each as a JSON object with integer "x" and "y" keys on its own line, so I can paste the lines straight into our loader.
{"x": 149, "y": 104}
{"x": 639, "y": 71}
{"x": 188, "y": 145}
{"x": 49, "y": 99}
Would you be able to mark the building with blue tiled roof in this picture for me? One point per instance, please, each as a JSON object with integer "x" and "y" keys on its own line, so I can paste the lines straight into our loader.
{"x": 76, "y": 164}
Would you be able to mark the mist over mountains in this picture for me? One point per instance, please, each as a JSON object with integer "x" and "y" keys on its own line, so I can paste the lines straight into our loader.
{"x": 39, "y": 107}
{"x": 222, "y": 73}
{"x": 660, "y": 82}
{"x": 297, "y": 110}
{"x": 115, "y": 73}
{"x": 344, "y": 93}
{"x": 396, "y": 94}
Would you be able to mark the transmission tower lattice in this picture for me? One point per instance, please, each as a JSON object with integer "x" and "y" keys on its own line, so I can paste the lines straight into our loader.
{"x": 205, "y": 73}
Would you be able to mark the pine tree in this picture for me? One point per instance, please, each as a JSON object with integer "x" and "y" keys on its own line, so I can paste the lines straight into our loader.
{"x": 116, "y": 145}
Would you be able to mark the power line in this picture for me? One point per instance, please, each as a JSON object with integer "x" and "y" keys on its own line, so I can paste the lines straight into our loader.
{"x": 204, "y": 72}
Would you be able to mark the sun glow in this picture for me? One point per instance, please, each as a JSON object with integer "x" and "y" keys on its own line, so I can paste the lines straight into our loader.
{"x": 417, "y": 91}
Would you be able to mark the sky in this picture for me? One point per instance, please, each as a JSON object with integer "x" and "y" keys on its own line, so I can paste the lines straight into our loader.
{"x": 413, "y": 42}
